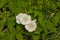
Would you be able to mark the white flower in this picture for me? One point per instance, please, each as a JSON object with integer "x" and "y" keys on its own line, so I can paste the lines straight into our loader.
{"x": 31, "y": 26}
{"x": 23, "y": 18}
{"x": 26, "y": 20}
{"x": 17, "y": 21}
{"x": 18, "y": 18}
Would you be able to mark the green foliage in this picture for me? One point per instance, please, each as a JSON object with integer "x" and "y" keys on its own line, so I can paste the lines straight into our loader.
{"x": 19, "y": 36}
{"x": 3, "y": 3}
{"x": 47, "y": 13}
{"x": 36, "y": 37}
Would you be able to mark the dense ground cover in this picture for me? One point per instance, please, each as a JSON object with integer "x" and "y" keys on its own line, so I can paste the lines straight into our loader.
{"x": 47, "y": 13}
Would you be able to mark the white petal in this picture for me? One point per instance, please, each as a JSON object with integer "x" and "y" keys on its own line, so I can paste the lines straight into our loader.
{"x": 25, "y": 19}
{"x": 32, "y": 28}
{"x": 18, "y": 17}
{"x": 17, "y": 21}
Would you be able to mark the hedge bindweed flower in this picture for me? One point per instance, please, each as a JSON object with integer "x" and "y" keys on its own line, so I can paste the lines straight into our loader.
{"x": 23, "y": 18}
{"x": 31, "y": 26}
{"x": 18, "y": 18}
{"x": 17, "y": 21}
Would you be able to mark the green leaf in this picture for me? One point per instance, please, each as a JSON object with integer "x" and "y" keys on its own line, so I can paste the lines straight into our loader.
{"x": 58, "y": 4}
{"x": 19, "y": 28}
{"x": 22, "y": 3}
{"x": 11, "y": 36}
{"x": 19, "y": 36}
{"x": 48, "y": 3}
{"x": 2, "y": 34}
{"x": 50, "y": 26}
{"x": 37, "y": 31}
{"x": 36, "y": 37}
{"x": 10, "y": 25}
{"x": 3, "y": 20}
{"x": 1, "y": 27}
{"x": 45, "y": 29}
{"x": 35, "y": 13}
{"x": 40, "y": 18}
{"x": 15, "y": 6}
{"x": 56, "y": 18}
{"x": 2, "y": 3}
{"x": 53, "y": 5}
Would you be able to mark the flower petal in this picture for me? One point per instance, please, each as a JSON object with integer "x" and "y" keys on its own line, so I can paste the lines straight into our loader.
{"x": 31, "y": 26}
{"x": 25, "y": 19}
{"x": 17, "y": 21}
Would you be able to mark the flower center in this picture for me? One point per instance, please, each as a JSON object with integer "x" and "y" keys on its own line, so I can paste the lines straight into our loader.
{"x": 25, "y": 19}
{"x": 30, "y": 25}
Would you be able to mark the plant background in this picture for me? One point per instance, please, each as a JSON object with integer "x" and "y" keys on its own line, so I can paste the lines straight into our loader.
{"x": 47, "y": 13}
